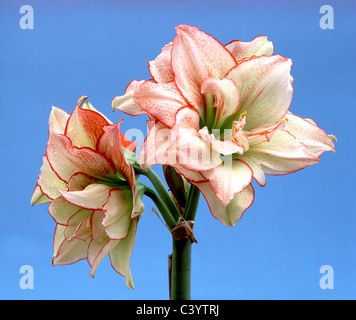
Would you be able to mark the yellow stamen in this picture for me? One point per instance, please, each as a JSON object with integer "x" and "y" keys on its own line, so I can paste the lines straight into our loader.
{"x": 283, "y": 119}
{"x": 243, "y": 115}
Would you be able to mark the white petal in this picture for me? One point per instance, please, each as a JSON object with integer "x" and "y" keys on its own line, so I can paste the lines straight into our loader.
{"x": 265, "y": 87}
{"x": 310, "y": 134}
{"x": 259, "y": 46}
{"x": 93, "y": 197}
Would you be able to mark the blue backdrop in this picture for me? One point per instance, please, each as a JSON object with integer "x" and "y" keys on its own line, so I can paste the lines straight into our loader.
{"x": 297, "y": 224}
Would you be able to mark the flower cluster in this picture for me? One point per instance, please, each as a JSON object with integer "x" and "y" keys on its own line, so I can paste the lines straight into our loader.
{"x": 218, "y": 119}
{"x": 220, "y": 116}
{"x": 91, "y": 188}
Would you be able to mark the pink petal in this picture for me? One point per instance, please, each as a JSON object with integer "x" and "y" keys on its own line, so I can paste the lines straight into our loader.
{"x": 228, "y": 179}
{"x": 155, "y": 149}
{"x": 197, "y": 56}
{"x": 191, "y": 176}
{"x": 161, "y": 67}
{"x": 259, "y": 46}
{"x": 265, "y": 87}
{"x": 88, "y": 106}
{"x": 110, "y": 145}
{"x": 66, "y": 160}
{"x": 84, "y": 127}
{"x": 193, "y": 152}
{"x": 182, "y": 145}
{"x": 160, "y": 100}
{"x": 230, "y": 214}
{"x": 225, "y": 147}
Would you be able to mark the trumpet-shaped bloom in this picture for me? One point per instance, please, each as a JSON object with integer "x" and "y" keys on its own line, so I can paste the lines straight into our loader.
{"x": 91, "y": 189}
{"x": 220, "y": 115}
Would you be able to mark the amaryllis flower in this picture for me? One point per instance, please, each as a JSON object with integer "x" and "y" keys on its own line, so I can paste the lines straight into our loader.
{"x": 220, "y": 116}
{"x": 91, "y": 189}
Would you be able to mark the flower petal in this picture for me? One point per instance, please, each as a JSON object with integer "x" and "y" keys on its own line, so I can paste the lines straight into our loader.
{"x": 310, "y": 134}
{"x": 160, "y": 100}
{"x": 120, "y": 254}
{"x": 98, "y": 231}
{"x": 265, "y": 87}
{"x": 230, "y": 214}
{"x": 259, "y": 46}
{"x": 265, "y": 134}
{"x": 227, "y": 98}
{"x": 224, "y": 147}
{"x": 228, "y": 179}
{"x": 111, "y": 145}
{"x": 155, "y": 149}
{"x": 97, "y": 252}
{"x": 78, "y": 226}
{"x": 93, "y": 197}
{"x": 195, "y": 57}
{"x": 84, "y": 127}
{"x": 61, "y": 210}
{"x": 66, "y": 160}
{"x": 88, "y": 106}
{"x": 126, "y": 103}
{"x": 191, "y": 176}
{"x": 57, "y": 120}
{"x": 256, "y": 168}
{"x": 193, "y": 152}
{"x": 161, "y": 67}
{"x": 117, "y": 213}
{"x": 38, "y": 197}
{"x": 69, "y": 252}
{"x": 180, "y": 145}
{"x": 79, "y": 181}
{"x": 49, "y": 182}
{"x": 282, "y": 155}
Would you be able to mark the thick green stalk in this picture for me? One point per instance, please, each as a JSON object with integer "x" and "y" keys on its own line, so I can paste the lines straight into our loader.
{"x": 181, "y": 267}
{"x": 181, "y": 255}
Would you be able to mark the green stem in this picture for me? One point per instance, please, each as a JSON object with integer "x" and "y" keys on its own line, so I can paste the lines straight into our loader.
{"x": 161, "y": 190}
{"x": 168, "y": 218}
{"x": 181, "y": 266}
{"x": 181, "y": 256}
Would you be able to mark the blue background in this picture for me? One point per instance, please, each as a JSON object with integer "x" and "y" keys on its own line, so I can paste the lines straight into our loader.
{"x": 297, "y": 223}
